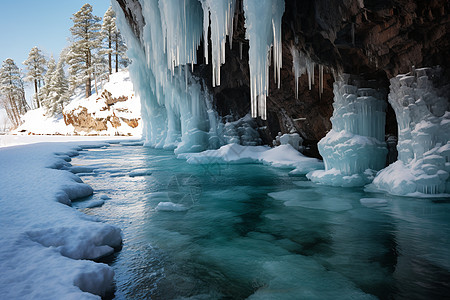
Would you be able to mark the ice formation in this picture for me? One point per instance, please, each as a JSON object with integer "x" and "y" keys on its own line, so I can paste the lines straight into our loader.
{"x": 301, "y": 64}
{"x": 263, "y": 30}
{"x": 176, "y": 110}
{"x": 423, "y": 119}
{"x": 354, "y": 148}
{"x": 222, "y": 16}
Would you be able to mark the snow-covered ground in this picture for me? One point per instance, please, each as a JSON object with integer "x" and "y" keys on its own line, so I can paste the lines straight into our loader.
{"x": 120, "y": 85}
{"x": 46, "y": 246}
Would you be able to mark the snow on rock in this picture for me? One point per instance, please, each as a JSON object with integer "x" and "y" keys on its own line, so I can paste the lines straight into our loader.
{"x": 284, "y": 156}
{"x": 423, "y": 117}
{"x": 354, "y": 149}
{"x": 45, "y": 242}
{"x": 114, "y": 111}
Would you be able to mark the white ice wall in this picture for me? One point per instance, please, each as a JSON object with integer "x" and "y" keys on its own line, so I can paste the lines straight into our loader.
{"x": 423, "y": 118}
{"x": 354, "y": 149}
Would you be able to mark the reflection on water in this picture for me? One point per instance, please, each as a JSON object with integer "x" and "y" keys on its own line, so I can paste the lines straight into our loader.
{"x": 253, "y": 231}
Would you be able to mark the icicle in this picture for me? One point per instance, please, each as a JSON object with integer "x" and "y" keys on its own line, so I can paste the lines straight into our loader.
{"x": 263, "y": 24}
{"x": 222, "y": 15}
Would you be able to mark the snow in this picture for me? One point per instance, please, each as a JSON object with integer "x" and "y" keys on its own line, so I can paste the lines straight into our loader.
{"x": 47, "y": 246}
{"x": 423, "y": 117}
{"x": 354, "y": 149}
{"x": 284, "y": 156}
{"x": 36, "y": 122}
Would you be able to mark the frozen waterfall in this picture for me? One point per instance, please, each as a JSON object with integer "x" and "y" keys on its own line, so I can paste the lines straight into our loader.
{"x": 354, "y": 149}
{"x": 423, "y": 119}
{"x": 176, "y": 107}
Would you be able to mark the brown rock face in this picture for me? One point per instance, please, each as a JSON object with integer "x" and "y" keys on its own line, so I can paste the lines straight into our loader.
{"x": 373, "y": 39}
{"x": 85, "y": 121}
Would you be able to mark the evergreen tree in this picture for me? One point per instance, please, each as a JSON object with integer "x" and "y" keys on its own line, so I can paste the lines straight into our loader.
{"x": 35, "y": 65}
{"x": 58, "y": 95}
{"x": 114, "y": 44}
{"x": 13, "y": 92}
{"x": 86, "y": 37}
{"x": 108, "y": 30}
{"x": 45, "y": 90}
{"x": 120, "y": 50}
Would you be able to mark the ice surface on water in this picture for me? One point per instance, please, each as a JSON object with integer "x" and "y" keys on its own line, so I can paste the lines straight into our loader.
{"x": 256, "y": 232}
{"x": 423, "y": 118}
{"x": 263, "y": 30}
{"x": 354, "y": 149}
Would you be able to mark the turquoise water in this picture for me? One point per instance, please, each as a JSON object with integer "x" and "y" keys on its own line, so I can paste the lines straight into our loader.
{"x": 253, "y": 231}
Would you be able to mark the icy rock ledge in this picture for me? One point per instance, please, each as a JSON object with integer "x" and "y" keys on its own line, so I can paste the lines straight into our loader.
{"x": 46, "y": 244}
{"x": 423, "y": 118}
{"x": 354, "y": 149}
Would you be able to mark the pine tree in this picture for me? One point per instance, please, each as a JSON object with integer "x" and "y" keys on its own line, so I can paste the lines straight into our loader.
{"x": 120, "y": 49}
{"x": 114, "y": 44}
{"x": 13, "y": 92}
{"x": 86, "y": 41}
{"x": 108, "y": 30}
{"x": 35, "y": 65}
{"x": 51, "y": 66}
{"x": 58, "y": 90}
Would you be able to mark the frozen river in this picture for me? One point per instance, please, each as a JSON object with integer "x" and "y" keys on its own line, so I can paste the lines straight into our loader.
{"x": 233, "y": 231}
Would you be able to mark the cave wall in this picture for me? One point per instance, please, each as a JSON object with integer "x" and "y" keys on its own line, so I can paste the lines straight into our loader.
{"x": 390, "y": 36}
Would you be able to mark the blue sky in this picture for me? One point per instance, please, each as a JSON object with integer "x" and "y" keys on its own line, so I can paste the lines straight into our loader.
{"x": 43, "y": 23}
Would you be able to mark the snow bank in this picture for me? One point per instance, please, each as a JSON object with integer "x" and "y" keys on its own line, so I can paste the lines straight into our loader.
{"x": 45, "y": 242}
{"x": 283, "y": 156}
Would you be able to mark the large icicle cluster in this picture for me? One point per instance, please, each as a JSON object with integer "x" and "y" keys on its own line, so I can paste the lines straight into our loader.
{"x": 423, "y": 119}
{"x": 263, "y": 30}
{"x": 176, "y": 110}
{"x": 354, "y": 149}
{"x": 222, "y": 16}
{"x": 301, "y": 64}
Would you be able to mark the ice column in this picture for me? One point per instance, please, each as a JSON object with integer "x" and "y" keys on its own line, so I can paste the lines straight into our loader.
{"x": 263, "y": 30}
{"x": 423, "y": 118}
{"x": 354, "y": 149}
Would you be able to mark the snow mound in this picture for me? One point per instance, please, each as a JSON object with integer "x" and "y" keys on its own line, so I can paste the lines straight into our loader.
{"x": 284, "y": 156}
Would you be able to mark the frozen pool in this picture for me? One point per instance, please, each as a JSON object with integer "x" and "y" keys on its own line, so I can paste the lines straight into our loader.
{"x": 251, "y": 231}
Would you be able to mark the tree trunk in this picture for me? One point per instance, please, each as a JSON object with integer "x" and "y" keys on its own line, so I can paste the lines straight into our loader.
{"x": 36, "y": 93}
{"x": 88, "y": 74}
{"x": 117, "y": 52}
{"x": 109, "y": 53}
